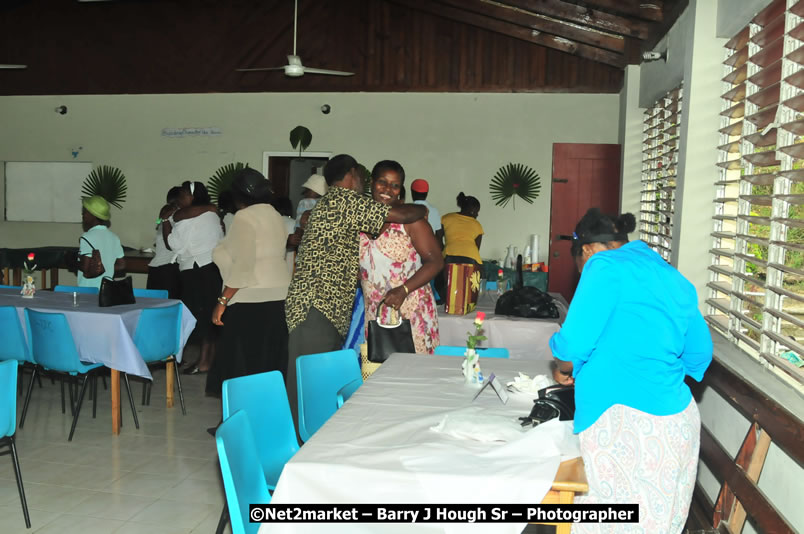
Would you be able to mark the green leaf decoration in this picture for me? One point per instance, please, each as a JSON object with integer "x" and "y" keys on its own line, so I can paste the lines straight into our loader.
{"x": 108, "y": 182}
{"x": 515, "y": 180}
{"x": 222, "y": 179}
{"x": 301, "y": 137}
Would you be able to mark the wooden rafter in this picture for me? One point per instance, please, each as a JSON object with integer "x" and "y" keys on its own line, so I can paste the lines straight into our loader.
{"x": 644, "y": 9}
{"x": 586, "y": 16}
{"x": 541, "y": 23}
{"x": 519, "y": 32}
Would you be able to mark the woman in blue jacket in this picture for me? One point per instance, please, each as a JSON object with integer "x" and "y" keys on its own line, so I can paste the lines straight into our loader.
{"x": 632, "y": 333}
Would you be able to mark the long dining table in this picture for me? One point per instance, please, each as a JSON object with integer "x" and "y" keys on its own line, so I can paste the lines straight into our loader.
{"x": 412, "y": 433}
{"x": 103, "y": 335}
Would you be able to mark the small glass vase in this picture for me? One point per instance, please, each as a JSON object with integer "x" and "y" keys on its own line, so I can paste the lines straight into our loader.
{"x": 28, "y": 288}
{"x": 471, "y": 369}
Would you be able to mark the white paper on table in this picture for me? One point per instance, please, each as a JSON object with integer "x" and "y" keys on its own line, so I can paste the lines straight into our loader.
{"x": 454, "y": 475}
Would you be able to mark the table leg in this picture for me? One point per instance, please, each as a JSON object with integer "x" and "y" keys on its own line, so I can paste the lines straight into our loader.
{"x": 170, "y": 368}
{"x": 115, "y": 390}
{"x": 54, "y": 277}
{"x": 565, "y": 497}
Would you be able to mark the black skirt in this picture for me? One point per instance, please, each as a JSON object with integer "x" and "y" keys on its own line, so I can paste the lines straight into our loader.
{"x": 254, "y": 339}
{"x": 200, "y": 288}
{"x": 165, "y": 277}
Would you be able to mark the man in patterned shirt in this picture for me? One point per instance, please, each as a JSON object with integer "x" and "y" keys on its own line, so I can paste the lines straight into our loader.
{"x": 321, "y": 293}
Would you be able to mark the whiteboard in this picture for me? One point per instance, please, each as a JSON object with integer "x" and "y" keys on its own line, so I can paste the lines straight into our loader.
{"x": 44, "y": 191}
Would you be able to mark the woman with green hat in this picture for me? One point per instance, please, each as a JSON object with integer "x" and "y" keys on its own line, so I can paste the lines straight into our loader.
{"x": 95, "y": 219}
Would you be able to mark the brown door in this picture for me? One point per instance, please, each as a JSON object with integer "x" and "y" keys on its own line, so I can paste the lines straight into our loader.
{"x": 584, "y": 176}
{"x": 279, "y": 174}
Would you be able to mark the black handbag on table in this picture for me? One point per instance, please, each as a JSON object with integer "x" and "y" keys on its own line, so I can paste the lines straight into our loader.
{"x": 385, "y": 339}
{"x": 554, "y": 401}
{"x": 524, "y": 301}
{"x": 116, "y": 292}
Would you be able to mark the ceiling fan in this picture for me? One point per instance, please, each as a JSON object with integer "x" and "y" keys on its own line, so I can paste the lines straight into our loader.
{"x": 294, "y": 68}
{"x": 8, "y": 66}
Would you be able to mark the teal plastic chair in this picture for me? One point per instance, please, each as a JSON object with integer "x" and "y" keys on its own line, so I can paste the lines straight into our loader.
{"x": 14, "y": 345}
{"x": 243, "y": 477}
{"x": 490, "y": 352}
{"x": 10, "y": 287}
{"x": 53, "y": 348}
{"x": 8, "y": 424}
{"x": 151, "y": 293}
{"x": 76, "y": 289}
{"x": 319, "y": 380}
{"x": 273, "y": 428}
{"x": 158, "y": 338}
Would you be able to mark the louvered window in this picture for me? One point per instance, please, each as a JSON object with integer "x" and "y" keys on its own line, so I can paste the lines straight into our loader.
{"x": 659, "y": 162}
{"x": 757, "y": 273}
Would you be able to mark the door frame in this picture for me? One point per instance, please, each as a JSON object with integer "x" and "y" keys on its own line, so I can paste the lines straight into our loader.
{"x": 266, "y": 155}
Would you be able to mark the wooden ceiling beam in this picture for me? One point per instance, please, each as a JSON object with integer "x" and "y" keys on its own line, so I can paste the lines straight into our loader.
{"x": 585, "y": 16}
{"x": 644, "y": 9}
{"x": 539, "y": 23}
{"x": 518, "y": 32}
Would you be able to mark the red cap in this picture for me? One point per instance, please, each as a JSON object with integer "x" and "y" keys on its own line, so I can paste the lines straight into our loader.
{"x": 420, "y": 186}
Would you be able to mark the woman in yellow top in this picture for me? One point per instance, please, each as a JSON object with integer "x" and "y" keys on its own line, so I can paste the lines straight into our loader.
{"x": 462, "y": 232}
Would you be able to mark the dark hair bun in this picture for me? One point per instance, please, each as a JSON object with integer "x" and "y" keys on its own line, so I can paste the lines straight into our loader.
{"x": 626, "y": 223}
{"x": 461, "y": 199}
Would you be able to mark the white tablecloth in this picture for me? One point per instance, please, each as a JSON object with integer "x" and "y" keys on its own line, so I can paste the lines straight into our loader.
{"x": 525, "y": 339}
{"x": 101, "y": 335}
{"x": 379, "y": 447}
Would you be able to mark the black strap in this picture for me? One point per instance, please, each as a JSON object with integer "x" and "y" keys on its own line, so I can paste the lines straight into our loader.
{"x": 88, "y": 243}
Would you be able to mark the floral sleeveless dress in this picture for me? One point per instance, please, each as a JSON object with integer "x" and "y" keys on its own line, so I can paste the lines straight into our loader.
{"x": 388, "y": 262}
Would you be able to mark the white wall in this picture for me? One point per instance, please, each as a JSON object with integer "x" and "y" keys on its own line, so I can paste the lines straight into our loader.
{"x": 457, "y": 141}
{"x": 630, "y": 139}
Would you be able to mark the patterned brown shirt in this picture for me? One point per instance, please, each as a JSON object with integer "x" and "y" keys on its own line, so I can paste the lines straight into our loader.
{"x": 327, "y": 265}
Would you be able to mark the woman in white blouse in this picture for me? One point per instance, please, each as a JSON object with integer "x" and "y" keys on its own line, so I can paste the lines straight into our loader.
{"x": 163, "y": 271}
{"x": 251, "y": 307}
{"x": 192, "y": 233}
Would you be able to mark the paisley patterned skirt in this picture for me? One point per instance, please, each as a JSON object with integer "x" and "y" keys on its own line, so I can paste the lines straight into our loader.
{"x": 634, "y": 457}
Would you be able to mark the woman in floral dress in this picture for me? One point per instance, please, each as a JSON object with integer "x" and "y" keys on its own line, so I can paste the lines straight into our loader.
{"x": 396, "y": 267}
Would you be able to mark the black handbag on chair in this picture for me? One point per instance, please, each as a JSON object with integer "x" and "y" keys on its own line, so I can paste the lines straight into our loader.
{"x": 385, "y": 339}
{"x": 116, "y": 292}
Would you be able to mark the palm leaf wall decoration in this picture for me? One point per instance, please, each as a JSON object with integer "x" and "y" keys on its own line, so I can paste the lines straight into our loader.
{"x": 222, "y": 179}
{"x": 301, "y": 137}
{"x": 108, "y": 182}
{"x": 515, "y": 180}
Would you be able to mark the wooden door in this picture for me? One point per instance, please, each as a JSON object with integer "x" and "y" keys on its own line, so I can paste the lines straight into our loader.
{"x": 584, "y": 176}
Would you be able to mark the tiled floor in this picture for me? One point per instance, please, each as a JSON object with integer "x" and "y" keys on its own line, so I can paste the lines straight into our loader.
{"x": 162, "y": 478}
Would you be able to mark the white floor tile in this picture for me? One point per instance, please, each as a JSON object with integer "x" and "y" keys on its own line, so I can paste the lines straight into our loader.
{"x": 113, "y": 506}
{"x": 76, "y": 524}
{"x": 13, "y": 522}
{"x": 175, "y": 513}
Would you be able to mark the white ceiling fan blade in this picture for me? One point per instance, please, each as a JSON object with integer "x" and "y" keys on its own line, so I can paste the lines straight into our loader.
{"x": 326, "y": 71}
{"x": 257, "y": 69}
{"x": 9, "y": 66}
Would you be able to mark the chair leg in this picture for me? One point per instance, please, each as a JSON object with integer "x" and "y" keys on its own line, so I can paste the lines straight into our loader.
{"x": 181, "y": 394}
{"x": 95, "y": 395}
{"x": 27, "y": 398}
{"x": 72, "y": 397}
{"x": 61, "y": 381}
{"x": 223, "y": 520}
{"x": 144, "y": 390}
{"x": 38, "y": 380}
{"x": 150, "y": 388}
{"x": 131, "y": 401}
{"x": 17, "y": 473}
{"x": 103, "y": 378}
{"x": 78, "y": 406}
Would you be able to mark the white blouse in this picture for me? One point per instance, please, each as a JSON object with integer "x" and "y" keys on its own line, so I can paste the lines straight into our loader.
{"x": 193, "y": 240}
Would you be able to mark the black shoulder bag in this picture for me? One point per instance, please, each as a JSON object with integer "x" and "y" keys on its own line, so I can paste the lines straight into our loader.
{"x": 554, "y": 401}
{"x": 116, "y": 292}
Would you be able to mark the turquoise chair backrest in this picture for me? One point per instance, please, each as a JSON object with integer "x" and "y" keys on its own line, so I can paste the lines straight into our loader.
{"x": 151, "y": 293}
{"x": 319, "y": 377}
{"x": 8, "y": 398}
{"x": 76, "y": 289}
{"x": 52, "y": 344}
{"x": 243, "y": 479}
{"x": 10, "y": 287}
{"x": 158, "y": 333}
{"x": 264, "y": 399}
{"x": 490, "y": 352}
{"x": 14, "y": 346}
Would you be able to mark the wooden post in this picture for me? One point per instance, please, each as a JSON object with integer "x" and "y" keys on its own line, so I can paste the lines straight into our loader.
{"x": 170, "y": 368}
